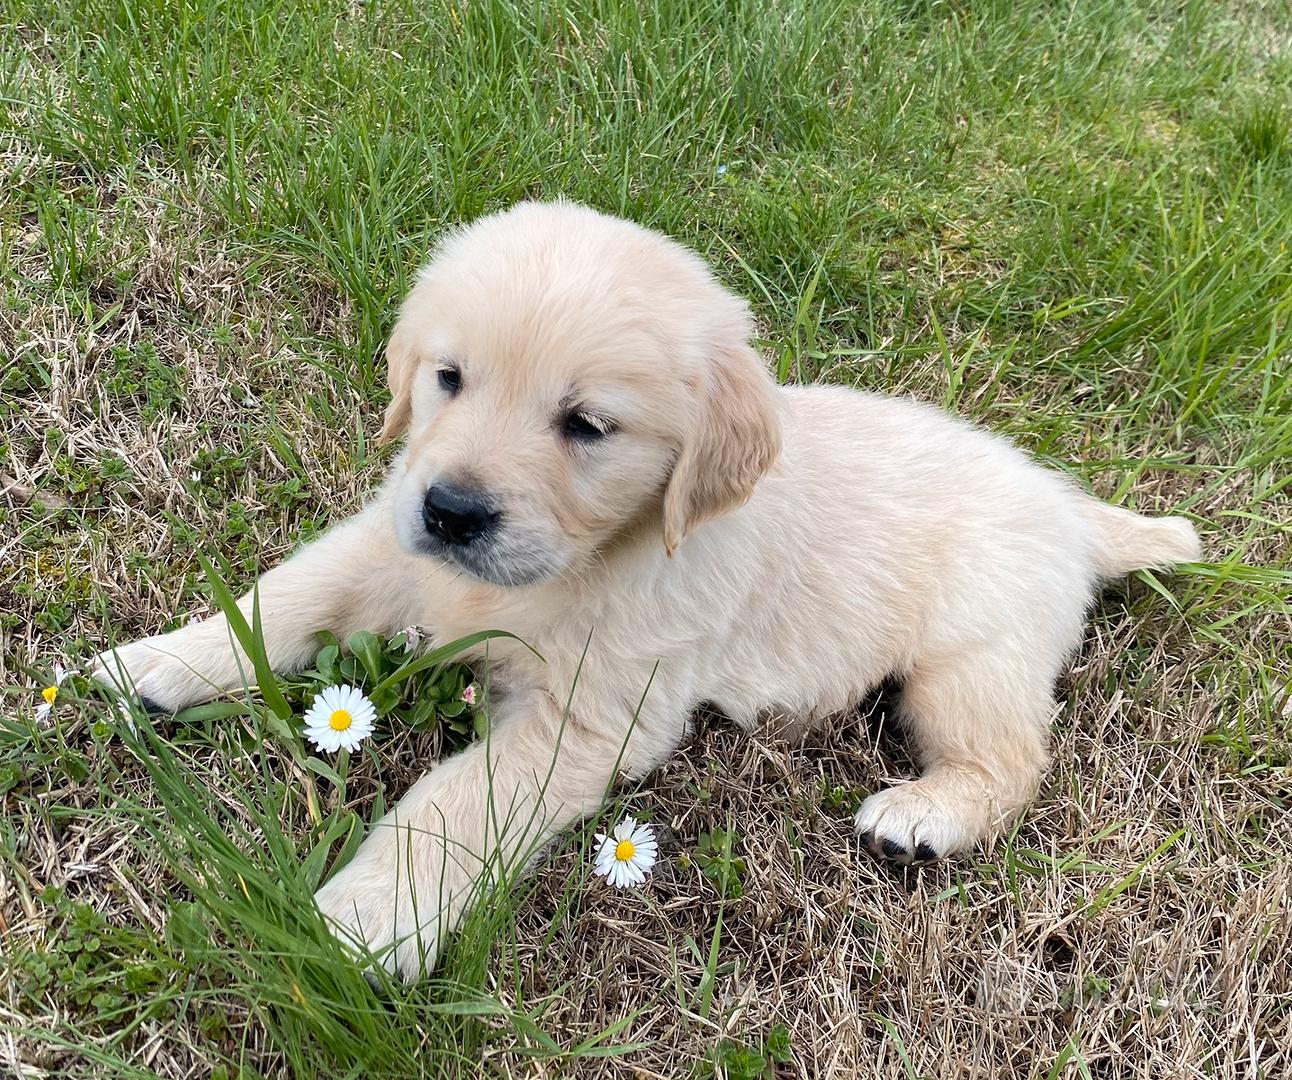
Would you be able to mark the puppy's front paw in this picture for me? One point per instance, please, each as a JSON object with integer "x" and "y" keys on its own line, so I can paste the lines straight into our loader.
{"x": 369, "y": 904}
{"x": 166, "y": 672}
{"x": 917, "y": 823}
{"x": 145, "y": 670}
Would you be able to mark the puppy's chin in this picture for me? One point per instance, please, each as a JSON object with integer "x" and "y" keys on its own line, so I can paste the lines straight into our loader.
{"x": 496, "y": 566}
{"x": 508, "y": 566}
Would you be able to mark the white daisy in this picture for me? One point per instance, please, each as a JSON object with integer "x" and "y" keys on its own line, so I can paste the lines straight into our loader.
{"x": 627, "y": 854}
{"x": 412, "y": 637}
{"x": 340, "y": 719}
{"x": 50, "y": 694}
{"x": 471, "y": 695}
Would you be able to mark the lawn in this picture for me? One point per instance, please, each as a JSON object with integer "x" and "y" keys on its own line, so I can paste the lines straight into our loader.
{"x": 1069, "y": 221}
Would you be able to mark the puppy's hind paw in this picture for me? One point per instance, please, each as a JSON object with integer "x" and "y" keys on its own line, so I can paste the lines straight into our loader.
{"x": 913, "y": 826}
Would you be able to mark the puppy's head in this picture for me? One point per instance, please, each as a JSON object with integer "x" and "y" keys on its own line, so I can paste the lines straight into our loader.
{"x": 563, "y": 377}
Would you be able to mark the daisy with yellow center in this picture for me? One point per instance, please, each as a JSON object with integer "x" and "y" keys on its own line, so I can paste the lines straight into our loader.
{"x": 340, "y": 719}
{"x": 627, "y": 854}
{"x": 50, "y": 694}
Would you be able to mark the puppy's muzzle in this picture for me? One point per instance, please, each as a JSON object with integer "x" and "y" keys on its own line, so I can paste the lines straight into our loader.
{"x": 457, "y": 516}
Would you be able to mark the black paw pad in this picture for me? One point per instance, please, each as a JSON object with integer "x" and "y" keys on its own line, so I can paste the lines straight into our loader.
{"x": 924, "y": 853}
{"x": 895, "y": 851}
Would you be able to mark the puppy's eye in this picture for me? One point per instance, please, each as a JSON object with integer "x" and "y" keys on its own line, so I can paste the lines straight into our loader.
{"x": 450, "y": 379}
{"x": 587, "y": 427}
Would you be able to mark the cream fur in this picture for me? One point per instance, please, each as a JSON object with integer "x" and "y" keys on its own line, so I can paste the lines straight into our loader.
{"x": 761, "y": 548}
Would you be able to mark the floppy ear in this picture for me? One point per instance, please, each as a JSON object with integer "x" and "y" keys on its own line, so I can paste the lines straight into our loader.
{"x": 401, "y": 365}
{"x": 735, "y": 440}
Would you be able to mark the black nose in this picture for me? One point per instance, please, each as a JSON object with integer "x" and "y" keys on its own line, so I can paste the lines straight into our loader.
{"x": 456, "y": 515}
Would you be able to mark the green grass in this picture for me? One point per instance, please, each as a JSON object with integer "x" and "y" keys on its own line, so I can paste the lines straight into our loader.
{"x": 1069, "y": 221}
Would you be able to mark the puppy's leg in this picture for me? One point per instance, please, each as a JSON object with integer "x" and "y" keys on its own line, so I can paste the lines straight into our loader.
{"x": 468, "y": 822}
{"x": 352, "y": 578}
{"x": 980, "y": 723}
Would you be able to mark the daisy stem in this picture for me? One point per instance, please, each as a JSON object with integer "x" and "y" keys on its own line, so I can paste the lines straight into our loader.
{"x": 311, "y": 798}
{"x": 342, "y": 771}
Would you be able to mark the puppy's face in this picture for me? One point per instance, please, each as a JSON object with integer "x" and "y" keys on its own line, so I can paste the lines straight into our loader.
{"x": 564, "y": 377}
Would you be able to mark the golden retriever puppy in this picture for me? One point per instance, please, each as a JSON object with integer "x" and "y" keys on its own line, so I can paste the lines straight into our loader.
{"x": 596, "y": 460}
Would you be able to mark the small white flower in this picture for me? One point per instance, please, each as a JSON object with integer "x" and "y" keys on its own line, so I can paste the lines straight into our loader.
{"x": 50, "y": 694}
{"x": 340, "y": 719}
{"x": 471, "y": 695}
{"x": 412, "y": 637}
{"x": 627, "y": 854}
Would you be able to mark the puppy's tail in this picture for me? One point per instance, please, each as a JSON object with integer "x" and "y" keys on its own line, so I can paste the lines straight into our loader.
{"x": 1126, "y": 541}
